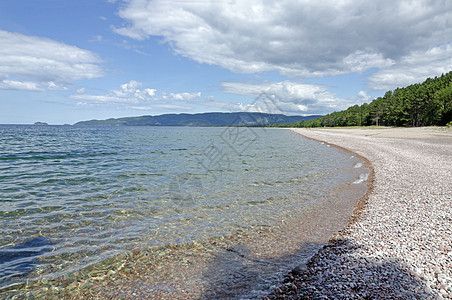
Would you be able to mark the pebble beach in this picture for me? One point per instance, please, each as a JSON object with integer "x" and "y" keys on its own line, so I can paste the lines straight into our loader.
{"x": 400, "y": 244}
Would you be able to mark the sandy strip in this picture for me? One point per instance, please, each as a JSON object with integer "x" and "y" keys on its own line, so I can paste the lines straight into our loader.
{"x": 402, "y": 245}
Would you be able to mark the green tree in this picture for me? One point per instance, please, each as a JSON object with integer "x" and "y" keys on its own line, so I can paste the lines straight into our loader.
{"x": 443, "y": 99}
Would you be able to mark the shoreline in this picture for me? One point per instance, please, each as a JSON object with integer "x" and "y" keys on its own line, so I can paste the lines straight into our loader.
{"x": 399, "y": 242}
{"x": 362, "y": 201}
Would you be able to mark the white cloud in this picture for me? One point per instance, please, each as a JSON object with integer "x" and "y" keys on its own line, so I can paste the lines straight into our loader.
{"x": 297, "y": 38}
{"x": 185, "y": 96}
{"x": 150, "y": 92}
{"x": 46, "y": 63}
{"x": 264, "y": 104}
{"x": 130, "y": 93}
{"x": 360, "y": 61}
{"x": 412, "y": 68}
{"x": 130, "y": 87}
{"x": 291, "y": 98}
{"x": 362, "y": 95}
{"x": 285, "y": 97}
{"x": 19, "y": 85}
{"x": 55, "y": 86}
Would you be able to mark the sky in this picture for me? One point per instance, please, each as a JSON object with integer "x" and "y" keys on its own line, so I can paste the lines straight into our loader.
{"x": 63, "y": 61}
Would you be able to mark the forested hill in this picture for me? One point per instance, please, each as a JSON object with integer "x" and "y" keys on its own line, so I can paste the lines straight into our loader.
{"x": 422, "y": 104}
{"x": 202, "y": 119}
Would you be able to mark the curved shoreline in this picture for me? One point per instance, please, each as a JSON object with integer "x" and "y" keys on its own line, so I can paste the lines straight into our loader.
{"x": 361, "y": 203}
{"x": 401, "y": 247}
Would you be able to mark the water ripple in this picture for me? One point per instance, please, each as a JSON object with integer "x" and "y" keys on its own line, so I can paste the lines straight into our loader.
{"x": 73, "y": 196}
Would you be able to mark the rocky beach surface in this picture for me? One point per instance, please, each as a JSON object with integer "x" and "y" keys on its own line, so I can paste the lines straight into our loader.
{"x": 400, "y": 246}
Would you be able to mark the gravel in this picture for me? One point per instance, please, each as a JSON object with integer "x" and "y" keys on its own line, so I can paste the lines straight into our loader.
{"x": 401, "y": 246}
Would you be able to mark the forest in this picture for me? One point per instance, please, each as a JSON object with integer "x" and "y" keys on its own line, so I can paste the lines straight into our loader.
{"x": 422, "y": 104}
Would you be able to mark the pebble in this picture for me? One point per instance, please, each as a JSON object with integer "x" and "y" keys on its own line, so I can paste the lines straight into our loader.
{"x": 401, "y": 245}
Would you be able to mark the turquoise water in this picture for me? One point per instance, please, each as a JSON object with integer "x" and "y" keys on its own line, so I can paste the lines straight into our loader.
{"x": 74, "y": 196}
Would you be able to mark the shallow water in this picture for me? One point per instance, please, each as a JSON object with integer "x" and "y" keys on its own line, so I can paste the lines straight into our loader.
{"x": 72, "y": 197}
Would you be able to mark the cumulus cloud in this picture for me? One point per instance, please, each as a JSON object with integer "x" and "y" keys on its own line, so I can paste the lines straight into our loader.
{"x": 285, "y": 97}
{"x": 130, "y": 93}
{"x": 36, "y": 63}
{"x": 291, "y": 98}
{"x": 149, "y": 93}
{"x": 185, "y": 96}
{"x": 130, "y": 87}
{"x": 297, "y": 38}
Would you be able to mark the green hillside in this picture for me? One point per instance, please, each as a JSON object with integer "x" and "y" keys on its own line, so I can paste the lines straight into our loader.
{"x": 201, "y": 119}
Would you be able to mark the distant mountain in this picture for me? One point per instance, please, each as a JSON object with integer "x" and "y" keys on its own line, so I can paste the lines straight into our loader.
{"x": 202, "y": 119}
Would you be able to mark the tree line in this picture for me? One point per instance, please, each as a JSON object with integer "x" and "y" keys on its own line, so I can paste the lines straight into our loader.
{"x": 421, "y": 104}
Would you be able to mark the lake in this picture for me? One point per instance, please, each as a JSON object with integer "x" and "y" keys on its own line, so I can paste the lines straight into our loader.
{"x": 73, "y": 197}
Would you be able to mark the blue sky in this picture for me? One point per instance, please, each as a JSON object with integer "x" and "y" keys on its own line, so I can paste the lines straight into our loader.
{"x": 66, "y": 61}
